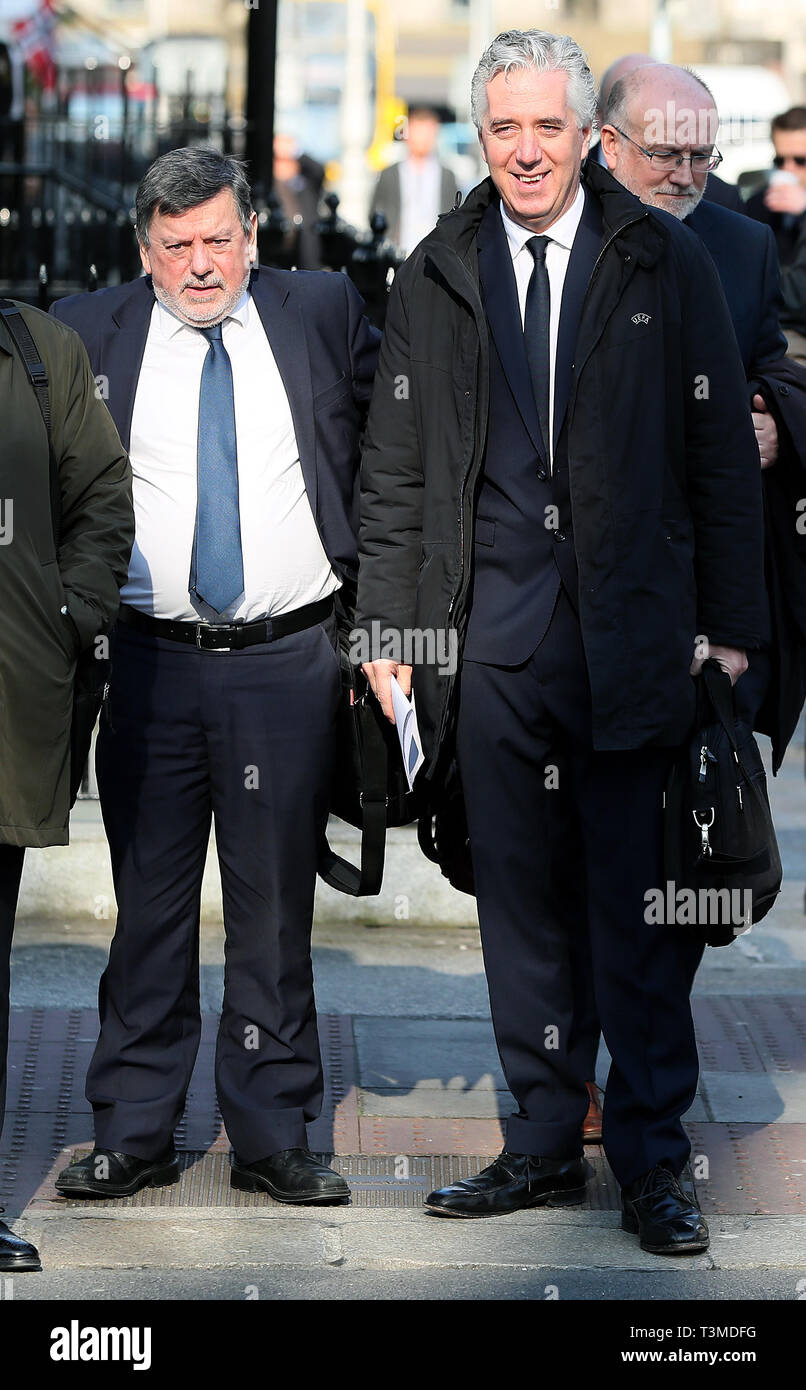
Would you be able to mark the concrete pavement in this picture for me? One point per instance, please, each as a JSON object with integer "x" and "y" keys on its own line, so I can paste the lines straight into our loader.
{"x": 414, "y": 1086}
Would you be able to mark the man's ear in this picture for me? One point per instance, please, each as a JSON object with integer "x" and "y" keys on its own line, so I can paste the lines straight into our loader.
{"x": 586, "y": 142}
{"x": 610, "y": 145}
{"x": 483, "y": 151}
{"x": 253, "y": 240}
{"x": 144, "y": 257}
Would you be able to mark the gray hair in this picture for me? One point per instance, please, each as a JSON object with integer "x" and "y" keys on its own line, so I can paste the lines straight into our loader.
{"x": 536, "y": 48}
{"x": 616, "y": 113}
{"x": 183, "y": 179}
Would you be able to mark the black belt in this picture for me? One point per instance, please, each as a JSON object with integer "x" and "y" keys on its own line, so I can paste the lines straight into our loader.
{"x": 227, "y": 637}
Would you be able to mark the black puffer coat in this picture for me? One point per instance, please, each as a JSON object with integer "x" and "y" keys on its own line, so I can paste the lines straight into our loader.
{"x": 663, "y": 466}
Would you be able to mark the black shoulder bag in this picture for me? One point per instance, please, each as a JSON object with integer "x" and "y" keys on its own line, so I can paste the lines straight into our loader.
{"x": 718, "y": 830}
{"x": 91, "y": 670}
{"x": 442, "y": 831}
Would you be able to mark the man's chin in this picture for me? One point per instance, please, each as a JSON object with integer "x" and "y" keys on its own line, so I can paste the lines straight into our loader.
{"x": 202, "y": 311}
{"x": 202, "y": 308}
{"x": 679, "y": 205}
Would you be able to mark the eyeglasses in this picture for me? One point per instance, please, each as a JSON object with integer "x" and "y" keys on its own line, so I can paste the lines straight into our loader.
{"x": 797, "y": 159}
{"x": 667, "y": 160}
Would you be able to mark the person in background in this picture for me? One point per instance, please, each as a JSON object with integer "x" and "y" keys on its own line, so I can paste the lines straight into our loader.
{"x": 412, "y": 193}
{"x": 781, "y": 203}
{"x": 770, "y": 695}
{"x": 298, "y": 182}
{"x": 793, "y": 294}
{"x": 716, "y": 190}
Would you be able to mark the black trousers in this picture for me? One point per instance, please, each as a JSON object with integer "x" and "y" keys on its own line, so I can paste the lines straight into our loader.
{"x": 11, "y": 857}
{"x": 750, "y": 690}
{"x": 530, "y": 774}
{"x": 244, "y": 738}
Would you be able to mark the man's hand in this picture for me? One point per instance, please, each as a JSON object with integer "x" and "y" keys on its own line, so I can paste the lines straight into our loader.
{"x": 731, "y": 659}
{"x": 379, "y": 674}
{"x": 766, "y": 432}
{"x": 786, "y": 197}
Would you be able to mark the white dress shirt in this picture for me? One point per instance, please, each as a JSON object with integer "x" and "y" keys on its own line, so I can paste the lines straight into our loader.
{"x": 284, "y": 563}
{"x": 420, "y": 183}
{"x": 560, "y": 238}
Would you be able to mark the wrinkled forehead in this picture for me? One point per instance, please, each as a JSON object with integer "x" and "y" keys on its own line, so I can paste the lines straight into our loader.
{"x": 529, "y": 93}
{"x": 216, "y": 216}
{"x": 685, "y": 119}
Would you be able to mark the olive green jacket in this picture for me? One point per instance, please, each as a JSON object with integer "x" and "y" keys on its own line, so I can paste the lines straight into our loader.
{"x": 39, "y": 643}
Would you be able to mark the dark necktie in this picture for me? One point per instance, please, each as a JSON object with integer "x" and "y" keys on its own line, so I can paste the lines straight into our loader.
{"x": 216, "y": 568}
{"x": 536, "y": 333}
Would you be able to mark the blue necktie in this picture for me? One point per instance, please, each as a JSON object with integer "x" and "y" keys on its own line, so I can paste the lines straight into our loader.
{"x": 216, "y": 569}
{"x": 536, "y": 333}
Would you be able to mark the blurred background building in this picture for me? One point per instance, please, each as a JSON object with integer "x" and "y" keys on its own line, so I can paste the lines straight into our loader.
{"x": 92, "y": 90}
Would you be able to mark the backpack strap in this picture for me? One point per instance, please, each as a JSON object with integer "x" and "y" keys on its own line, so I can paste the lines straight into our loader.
{"x": 37, "y": 375}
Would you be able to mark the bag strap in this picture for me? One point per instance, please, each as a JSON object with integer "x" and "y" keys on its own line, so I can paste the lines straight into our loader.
{"x": 339, "y": 873}
{"x": 720, "y": 693}
{"x": 37, "y": 375}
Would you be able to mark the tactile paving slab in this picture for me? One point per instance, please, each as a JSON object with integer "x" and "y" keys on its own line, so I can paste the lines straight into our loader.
{"x": 399, "y": 1181}
{"x": 46, "y": 1111}
{"x": 753, "y": 1170}
{"x": 744, "y": 1168}
{"x": 751, "y": 1034}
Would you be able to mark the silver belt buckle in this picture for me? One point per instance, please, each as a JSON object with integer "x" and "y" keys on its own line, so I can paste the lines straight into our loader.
{"x": 207, "y": 627}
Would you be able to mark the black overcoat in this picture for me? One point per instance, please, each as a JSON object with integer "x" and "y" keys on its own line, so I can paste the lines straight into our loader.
{"x": 663, "y": 467}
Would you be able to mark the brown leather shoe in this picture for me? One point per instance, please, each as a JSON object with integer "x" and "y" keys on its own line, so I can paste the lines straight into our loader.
{"x": 592, "y": 1127}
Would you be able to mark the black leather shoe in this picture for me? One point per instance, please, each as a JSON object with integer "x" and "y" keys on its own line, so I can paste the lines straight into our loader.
{"x": 16, "y": 1255}
{"x": 292, "y": 1175}
{"x": 106, "y": 1173}
{"x": 513, "y": 1182}
{"x": 667, "y": 1220}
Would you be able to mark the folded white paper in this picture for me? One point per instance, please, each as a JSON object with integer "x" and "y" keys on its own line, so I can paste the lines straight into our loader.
{"x": 407, "y": 732}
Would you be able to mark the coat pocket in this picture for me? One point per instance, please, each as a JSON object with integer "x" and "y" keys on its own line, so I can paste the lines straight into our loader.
{"x": 331, "y": 393}
{"x": 484, "y": 533}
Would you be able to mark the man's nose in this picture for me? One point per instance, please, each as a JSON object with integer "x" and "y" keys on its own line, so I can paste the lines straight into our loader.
{"x": 201, "y": 262}
{"x": 529, "y": 150}
{"x": 682, "y": 174}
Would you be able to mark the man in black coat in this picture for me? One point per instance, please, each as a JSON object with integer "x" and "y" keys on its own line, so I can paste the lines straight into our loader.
{"x": 240, "y": 393}
{"x": 771, "y": 695}
{"x": 560, "y": 468}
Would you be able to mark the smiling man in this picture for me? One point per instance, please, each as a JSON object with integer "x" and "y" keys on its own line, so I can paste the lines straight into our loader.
{"x": 240, "y": 393}
{"x": 552, "y": 486}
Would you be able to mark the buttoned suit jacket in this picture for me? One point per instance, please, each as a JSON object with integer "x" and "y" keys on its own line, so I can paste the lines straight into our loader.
{"x": 326, "y": 353}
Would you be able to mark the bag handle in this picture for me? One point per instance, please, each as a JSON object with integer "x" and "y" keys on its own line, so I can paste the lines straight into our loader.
{"x": 338, "y": 872}
{"x": 720, "y": 692}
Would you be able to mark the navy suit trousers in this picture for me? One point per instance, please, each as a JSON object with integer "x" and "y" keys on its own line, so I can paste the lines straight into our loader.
{"x": 244, "y": 738}
{"x": 530, "y": 776}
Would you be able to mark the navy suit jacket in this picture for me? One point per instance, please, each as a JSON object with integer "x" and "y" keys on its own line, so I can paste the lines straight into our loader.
{"x": 326, "y": 352}
{"x": 745, "y": 257}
